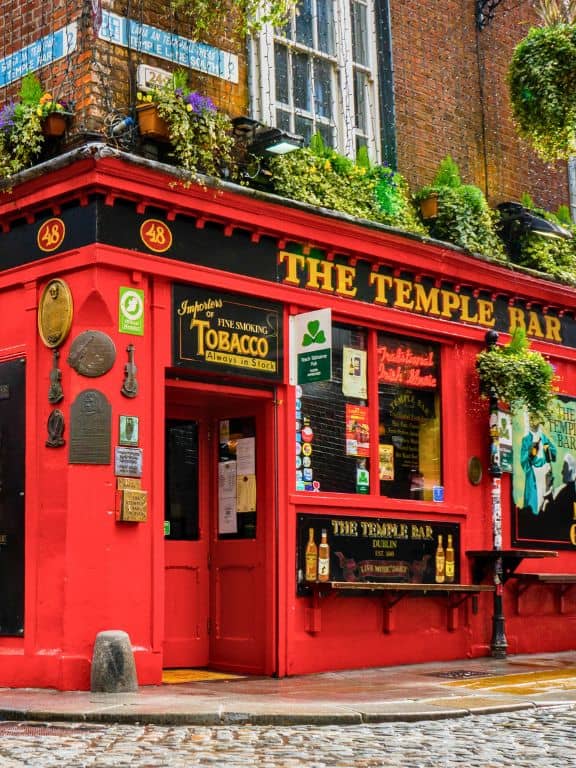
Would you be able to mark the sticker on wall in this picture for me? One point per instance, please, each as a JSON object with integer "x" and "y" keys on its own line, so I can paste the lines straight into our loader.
{"x": 51, "y": 235}
{"x": 156, "y": 235}
{"x": 131, "y": 311}
{"x": 128, "y": 431}
{"x": 354, "y": 373}
{"x": 55, "y": 313}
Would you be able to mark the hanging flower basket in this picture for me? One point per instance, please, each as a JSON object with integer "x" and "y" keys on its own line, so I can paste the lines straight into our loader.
{"x": 56, "y": 124}
{"x": 150, "y": 124}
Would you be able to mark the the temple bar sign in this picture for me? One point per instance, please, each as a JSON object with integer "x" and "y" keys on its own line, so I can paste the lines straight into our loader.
{"x": 386, "y": 288}
{"x": 229, "y": 333}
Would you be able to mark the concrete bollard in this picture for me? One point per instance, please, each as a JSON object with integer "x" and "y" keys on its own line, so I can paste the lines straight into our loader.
{"x": 113, "y": 668}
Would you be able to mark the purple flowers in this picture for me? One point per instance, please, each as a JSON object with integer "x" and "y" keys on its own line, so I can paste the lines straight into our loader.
{"x": 199, "y": 103}
{"x": 7, "y": 117}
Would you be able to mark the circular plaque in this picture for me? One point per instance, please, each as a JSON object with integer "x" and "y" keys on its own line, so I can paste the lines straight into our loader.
{"x": 92, "y": 353}
{"x": 55, "y": 313}
{"x": 474, "y": 470}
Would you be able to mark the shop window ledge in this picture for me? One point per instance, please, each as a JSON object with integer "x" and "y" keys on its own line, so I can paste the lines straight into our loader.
{"x": 392, "y": 593}
{"x": 562, "y": 582}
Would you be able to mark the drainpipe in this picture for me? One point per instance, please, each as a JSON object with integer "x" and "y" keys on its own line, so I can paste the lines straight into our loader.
{"x": 386, "y": 80}
{"x": 572, "y": 186}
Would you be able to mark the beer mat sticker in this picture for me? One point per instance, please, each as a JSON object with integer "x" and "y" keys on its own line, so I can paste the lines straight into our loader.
{"x": 227, "y": 333}
{"x": 367, "y": 550}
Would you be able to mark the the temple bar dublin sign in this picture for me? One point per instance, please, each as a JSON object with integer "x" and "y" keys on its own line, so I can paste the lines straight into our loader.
{"x": 227, "y": 333}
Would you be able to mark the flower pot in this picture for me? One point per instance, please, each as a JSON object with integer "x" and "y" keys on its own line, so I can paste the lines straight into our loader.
{"x": 55, "y": 124}
{"x": 429, "y": 207}
{"x": 150, "y": 124}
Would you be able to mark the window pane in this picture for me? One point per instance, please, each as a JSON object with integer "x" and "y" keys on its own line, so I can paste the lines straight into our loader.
{"x": 304, "y": 127}
{"x": 237, "y": 440}
{"x": 327, "y": 133}
{"x": 332, "y": 427}
{"x": 409, "y": 422}
{"x": 323, "y": 88}
{"x": 325, "y": 10}
{"x": 283, "y": 120}
{"x": 301, "y": 78}
{"x": 304, "y": 23}
{"x": 281, "y": 66}
{"x": 360, "y": 105}
{"x": 182, "y": 480}
{"x": 359, "y": 34}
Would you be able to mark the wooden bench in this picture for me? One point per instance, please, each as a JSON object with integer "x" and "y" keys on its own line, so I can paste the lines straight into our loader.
{"x": 392, "y": 593}
{"x": 563, "y": 581}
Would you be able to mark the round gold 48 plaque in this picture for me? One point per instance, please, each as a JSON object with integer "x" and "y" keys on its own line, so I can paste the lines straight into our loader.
{"x": 55, "y": 313}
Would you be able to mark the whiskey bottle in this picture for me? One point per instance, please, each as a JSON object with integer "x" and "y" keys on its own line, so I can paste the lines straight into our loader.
{"x": 311, "y": 557}
{"x": 440, "y": 561}
{"x": 449, "y": 565}
{"x": 324, "y": 558}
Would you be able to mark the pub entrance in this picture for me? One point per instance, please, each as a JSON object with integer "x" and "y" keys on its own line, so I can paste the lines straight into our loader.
{"x": 219, "y": 529}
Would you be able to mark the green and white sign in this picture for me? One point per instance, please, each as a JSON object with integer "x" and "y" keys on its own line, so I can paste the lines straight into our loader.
{"x": 311, "y": 358}
{"x": 131, "y": 311}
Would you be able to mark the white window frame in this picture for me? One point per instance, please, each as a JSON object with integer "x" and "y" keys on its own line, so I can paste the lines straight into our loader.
{"x": 262, "y": 81}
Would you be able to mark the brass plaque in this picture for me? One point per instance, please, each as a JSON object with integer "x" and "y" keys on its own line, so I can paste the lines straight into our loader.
{"x": 55, "y": 313}
{"x": 130, "y": 483}
{"x": 90, "y": 428}
{"x": 92, "y": 353}
{"x": 134, "y": 506}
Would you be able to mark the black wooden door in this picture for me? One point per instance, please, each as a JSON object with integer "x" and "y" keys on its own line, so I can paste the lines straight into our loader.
{"x": 12, "y": 441}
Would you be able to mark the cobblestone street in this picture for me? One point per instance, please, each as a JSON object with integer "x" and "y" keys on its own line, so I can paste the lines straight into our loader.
{"x": 527, "y": 739}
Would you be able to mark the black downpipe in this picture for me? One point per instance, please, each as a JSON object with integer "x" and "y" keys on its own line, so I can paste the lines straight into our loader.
{"x": 386, "y": 79}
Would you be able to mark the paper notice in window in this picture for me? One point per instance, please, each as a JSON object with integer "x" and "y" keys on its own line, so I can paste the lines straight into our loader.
{"x": 354, "y": 373}
{"x": 227, "y": 520}
{"x": 246, "y": 456}
{"x": 246, "y": 493}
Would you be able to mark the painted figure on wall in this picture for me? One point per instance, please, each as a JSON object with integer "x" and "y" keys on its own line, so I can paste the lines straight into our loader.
{"x": 544, "y": 477}
{"x": 537, "y": 453}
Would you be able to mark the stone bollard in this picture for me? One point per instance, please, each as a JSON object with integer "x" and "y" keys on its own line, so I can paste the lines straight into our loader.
{"x": 113, "y": 668}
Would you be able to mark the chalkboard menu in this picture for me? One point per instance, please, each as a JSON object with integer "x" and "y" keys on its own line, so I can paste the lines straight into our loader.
{"x": 369, "y": 549}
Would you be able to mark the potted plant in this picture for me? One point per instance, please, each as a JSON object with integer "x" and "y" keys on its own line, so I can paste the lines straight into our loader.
{"x": 516, "y": 375}
{"x": 200, "y": 135}
{"x": 56, "y": 116}
{"x": 462, "y": 215}
{"x": 23, "y": 128}
{"x": 542, "y": 82}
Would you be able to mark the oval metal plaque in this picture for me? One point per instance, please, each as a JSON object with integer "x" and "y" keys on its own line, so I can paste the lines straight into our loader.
{"x": 92, "y": 353}
{"x": 55, "y": 313}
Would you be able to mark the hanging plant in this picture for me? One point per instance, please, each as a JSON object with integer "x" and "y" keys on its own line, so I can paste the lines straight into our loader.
{"x": 200, "y": 135}
{"x": 206, "y": 16}
{"x": 516, "y": 375}
{"x": 320, "y": 176}
{"x": 542, "y": 82}
{"x": 22, "y": 125}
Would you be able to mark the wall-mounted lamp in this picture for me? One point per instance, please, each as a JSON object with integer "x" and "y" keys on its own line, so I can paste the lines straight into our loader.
{"x": 516, "y": 220}
{"x": 261, "y": 140}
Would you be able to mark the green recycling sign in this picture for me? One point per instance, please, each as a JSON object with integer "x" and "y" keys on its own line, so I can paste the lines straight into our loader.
{"x": 311, "y": 358}
{"x": 131, "y": 311}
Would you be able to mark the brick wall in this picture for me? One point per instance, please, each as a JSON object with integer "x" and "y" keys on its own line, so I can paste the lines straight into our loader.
{"x": 101, "y": 78}
{"x": 444, "y": 72}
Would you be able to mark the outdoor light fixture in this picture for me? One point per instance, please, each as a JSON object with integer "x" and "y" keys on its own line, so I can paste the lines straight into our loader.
{"x": 261, "y": 140}
{"x": 516, "y": 220}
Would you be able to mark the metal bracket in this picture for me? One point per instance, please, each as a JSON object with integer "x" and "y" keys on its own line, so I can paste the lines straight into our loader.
{"x": 485, "y": 12}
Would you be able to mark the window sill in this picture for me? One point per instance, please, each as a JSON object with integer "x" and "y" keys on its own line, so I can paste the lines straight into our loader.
{"x": 368, "y": 502}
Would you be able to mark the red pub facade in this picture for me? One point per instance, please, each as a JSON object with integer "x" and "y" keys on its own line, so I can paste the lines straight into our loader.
{"x": 175, "y": 465}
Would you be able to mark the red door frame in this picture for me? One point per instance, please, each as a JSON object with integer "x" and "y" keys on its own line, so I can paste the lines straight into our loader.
{"x": 179, "y": 395}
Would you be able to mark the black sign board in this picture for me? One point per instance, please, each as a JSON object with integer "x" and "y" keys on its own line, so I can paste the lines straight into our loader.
{"x": 227, "y": 333}
{"x": 369, "y": 549}
{"x": 12, "y": 441}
